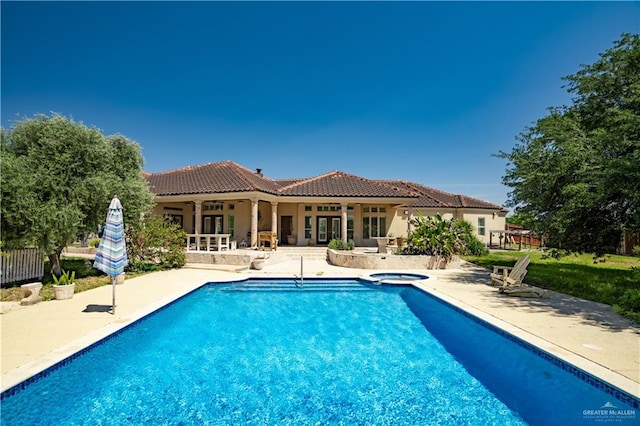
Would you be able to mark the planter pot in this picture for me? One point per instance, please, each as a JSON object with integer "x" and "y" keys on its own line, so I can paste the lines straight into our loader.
{"x": 257, "y": 263}
{"x": 400, "y": 241}
{"x": 120, "y": 279}
{"x": 292, "y": 240}
{"x": 63, "y": 292}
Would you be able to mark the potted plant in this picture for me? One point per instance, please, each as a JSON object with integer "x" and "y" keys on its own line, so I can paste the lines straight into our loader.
{"x": 292, "y": 240}
{"x": 64, "y": 286}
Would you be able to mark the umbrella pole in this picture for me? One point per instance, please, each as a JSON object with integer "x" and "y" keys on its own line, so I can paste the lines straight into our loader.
{"x": 113, "y": 303}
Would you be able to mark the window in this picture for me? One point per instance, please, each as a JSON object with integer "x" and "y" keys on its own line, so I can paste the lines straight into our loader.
{"x": 350, "y": 222}
{"x": 328, "y": 208}
{"x": 481, "y": 226}
{"x": 231, "y": 219}
{"x": 374, "y": 222}
{"x": 307, "y": 208}
{"x": 307, "y": 226}
{"x": 374, "y": 209}
{"x": 213, "y": 207}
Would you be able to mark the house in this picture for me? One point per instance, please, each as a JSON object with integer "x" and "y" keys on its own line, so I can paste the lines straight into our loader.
{"x": 227, "y": 198}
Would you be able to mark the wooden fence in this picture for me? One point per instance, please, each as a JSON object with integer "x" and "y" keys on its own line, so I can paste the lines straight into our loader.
{"x": 629, "y": 241}
{"x": 22, "y": 265}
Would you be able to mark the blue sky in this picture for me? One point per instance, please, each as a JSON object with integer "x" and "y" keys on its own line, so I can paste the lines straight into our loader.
{"x": 418, "y": 91}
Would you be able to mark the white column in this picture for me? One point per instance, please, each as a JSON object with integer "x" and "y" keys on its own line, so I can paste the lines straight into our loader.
{"x": 357, "y": 225}
{"x": 409, "y": 217}
{"x": 254, "y": 223}
{"x": 300, "y": 222}
{"x": 274, "y": 217}
{"x": 198, "y": 216}
{"x": 343, "y": 208}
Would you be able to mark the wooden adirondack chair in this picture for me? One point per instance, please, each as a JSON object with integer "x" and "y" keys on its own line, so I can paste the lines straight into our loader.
{"x": 506, "y": 276}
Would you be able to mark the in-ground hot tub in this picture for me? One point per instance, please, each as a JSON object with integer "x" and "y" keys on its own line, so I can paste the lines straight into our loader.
{"x": 396, "y": 277}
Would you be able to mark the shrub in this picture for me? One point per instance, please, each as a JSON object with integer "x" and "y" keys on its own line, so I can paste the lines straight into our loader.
{"x": 472, "y": 245}
{"x": 475, "y": 247}
{"x": 434, "y": 236}
{"x": 629, "y": 301}
{"x": 155, "y": 244}
{"x": 338, "y": 244}
{"x": 94, "y": 243}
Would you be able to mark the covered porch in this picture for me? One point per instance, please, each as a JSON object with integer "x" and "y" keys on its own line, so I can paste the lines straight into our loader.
{"x": 228, "y": 224}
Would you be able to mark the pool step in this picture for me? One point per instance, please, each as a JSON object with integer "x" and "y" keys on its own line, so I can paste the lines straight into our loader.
{"x": 297, "y": 285}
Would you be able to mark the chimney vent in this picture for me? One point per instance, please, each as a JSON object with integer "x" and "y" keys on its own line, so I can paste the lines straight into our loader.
{"x": 259, "y": 172}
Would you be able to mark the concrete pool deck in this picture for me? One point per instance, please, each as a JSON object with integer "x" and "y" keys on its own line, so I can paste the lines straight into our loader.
{"x": 586, "y": 334}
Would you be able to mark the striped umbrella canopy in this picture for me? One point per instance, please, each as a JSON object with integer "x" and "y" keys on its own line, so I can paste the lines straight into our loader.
{"x": 111, "y": 256}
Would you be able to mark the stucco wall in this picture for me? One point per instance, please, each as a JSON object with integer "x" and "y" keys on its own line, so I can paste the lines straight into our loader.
{"x": 218, "y": 258}
{"x": 494, "y": 219}
{"x": 387, "y": 261}
{"x": 397, "y": 219}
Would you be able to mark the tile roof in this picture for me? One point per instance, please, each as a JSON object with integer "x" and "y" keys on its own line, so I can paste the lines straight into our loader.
{"x": 340, "y": 184}
{"x": 227, "y": 176}
{"x": 430, "y": 197}
{"x": 220, "y": 177}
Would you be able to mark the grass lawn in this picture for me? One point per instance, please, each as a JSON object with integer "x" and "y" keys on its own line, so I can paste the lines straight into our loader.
{"x": 87, "y": 278}
{"x": 614, "y": 280}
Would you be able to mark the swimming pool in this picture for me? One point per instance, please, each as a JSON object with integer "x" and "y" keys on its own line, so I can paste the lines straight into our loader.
{"x": 331, "y": 351}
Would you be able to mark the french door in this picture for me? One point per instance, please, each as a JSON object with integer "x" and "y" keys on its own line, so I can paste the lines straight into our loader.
{"x": 212, "y": 224}
{"x": 323, "y": 230}
{"x": 335, "y": 228}
{"x": 328, "y": 228}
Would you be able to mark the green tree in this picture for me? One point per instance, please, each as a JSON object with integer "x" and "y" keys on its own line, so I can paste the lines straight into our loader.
{"x": 576, "y": 172}
{"x": 58, "y": 177}
{"x": 521, "y": 219}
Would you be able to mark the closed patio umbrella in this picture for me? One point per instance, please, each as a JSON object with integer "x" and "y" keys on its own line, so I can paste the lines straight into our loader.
{"x": 111, "y": 256}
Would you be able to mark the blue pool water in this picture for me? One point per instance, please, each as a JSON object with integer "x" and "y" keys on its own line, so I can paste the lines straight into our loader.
{"x": 326, "y": 352}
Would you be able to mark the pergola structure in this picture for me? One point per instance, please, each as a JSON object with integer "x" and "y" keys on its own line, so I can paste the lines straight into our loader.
{"x": 506, "y": 236}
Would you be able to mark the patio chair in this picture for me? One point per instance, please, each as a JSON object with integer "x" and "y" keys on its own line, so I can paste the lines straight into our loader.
{"x": 510, "y": 275}
{"x": 510, "y": 279}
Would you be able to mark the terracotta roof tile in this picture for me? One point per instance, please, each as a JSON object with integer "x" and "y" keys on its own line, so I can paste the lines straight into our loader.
{"x": 286, "y": 182}
{"x": 225, "y": 176}
{"x": 340, "y": 184}
{"x": 430, "y": 197}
